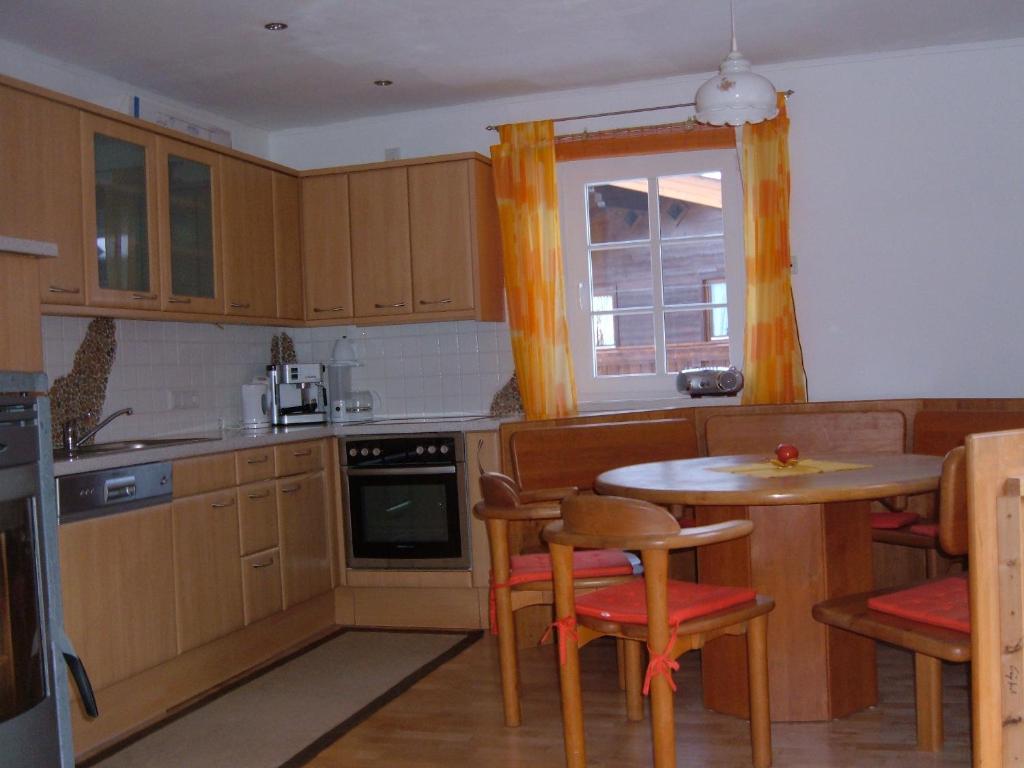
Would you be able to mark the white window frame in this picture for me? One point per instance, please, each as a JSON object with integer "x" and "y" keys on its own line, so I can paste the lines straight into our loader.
{"x": 573, "y": 178}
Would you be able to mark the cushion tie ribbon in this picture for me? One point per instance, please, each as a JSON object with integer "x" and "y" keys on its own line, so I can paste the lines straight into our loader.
{"x": 566, "y": 631}
{"x": 492, "y": 603}
{"x": 662, "y": 663}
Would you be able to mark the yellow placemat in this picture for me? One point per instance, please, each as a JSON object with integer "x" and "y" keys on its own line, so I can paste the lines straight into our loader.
{"x": 771, "y": 468}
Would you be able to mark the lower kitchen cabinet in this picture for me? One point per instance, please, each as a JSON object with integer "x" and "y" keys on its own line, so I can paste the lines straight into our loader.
{"x": 305, "y": 544}
{"x": 261, "y": 585}
{"x": 208, "y": 584}
{"x": 117, "y": 577}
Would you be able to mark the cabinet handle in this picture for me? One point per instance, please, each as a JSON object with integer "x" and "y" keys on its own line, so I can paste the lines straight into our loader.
{"x": 262, "y": 495}
{"x": 264, "y": 565}
{"x": 222, "y": 504}
{"x": 306, "y": 452}
{"x": 236, "y": 305}
{"x": 259, "y": 460}
{"x": 329, "y": 309}
{"x": 390, "y": 306}
{"x": 439, "y": 301}
{"x": 174, "y": 300}
{"x": 58, "y": 289}
{"x": 291, "y": 489}
{"x": 142, "y": 297}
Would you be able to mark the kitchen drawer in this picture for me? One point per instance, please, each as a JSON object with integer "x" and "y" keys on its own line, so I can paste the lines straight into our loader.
{"x": 203, "y": 473}
{"x": 254, "y": 464}
{"x": 261, "y": 585}
{"x": 299, "y": 458}
{"x": 257, "y": 517}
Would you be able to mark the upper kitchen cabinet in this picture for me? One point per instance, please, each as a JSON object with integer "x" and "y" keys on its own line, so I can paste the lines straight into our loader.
{"x": 250, "y": 269}
{"x": 287, "y": 246}
{"x": 379, "y": 219}
{"x": 119, "y": 172}
{"x": 189, "y": 186}
{"x": 326, "y": 253}
{"x": 41, "y": 193}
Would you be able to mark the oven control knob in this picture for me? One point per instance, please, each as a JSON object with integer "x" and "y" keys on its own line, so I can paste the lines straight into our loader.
{"x": 376, "y": 451}
{"x": 432, "y": 449}
{"x": 364, "y": 452}
{"x": 419, "y": 450}
{"x": 353, "y": 451}
{"x": 444, "y": 449}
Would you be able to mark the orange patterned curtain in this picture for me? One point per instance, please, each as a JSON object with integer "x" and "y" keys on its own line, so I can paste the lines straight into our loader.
{"x": 773, "y": 363}
{"x": 527, "y": 193}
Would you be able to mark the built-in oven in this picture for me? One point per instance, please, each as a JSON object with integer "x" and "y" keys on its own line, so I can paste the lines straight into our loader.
{"x": 34, "y": 703}
{"x": 405, "y": 501}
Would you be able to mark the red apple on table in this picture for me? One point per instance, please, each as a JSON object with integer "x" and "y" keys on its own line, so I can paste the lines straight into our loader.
{"x": 786, "y": 453}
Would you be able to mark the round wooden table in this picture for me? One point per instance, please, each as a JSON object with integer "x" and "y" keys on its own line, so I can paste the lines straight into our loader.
{"x": 811, "y": 542}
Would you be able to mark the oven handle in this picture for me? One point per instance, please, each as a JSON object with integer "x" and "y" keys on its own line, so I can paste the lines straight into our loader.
{"x": 444, "y": 469}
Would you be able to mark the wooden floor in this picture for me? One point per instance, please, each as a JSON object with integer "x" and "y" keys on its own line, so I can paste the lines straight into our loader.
{"x": 453, "y": 718}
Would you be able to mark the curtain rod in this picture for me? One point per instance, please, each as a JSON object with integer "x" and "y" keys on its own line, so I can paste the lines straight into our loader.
{"x": 625, "y": 112}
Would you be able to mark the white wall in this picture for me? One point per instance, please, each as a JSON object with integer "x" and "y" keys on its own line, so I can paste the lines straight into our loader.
{"x": 25, "y": 64}
{"x": 907, "y": 206}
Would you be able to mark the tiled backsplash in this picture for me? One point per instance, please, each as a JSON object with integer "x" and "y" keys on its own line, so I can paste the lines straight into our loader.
{"x": 187, "y": 377}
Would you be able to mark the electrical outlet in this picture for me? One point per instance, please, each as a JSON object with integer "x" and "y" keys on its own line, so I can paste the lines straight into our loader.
{"x": 184, "y": 400}
{"x": 393, "y": 153}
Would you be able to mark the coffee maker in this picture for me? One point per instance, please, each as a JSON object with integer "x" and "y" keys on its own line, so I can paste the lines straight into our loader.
{"x": 298, "y": 393}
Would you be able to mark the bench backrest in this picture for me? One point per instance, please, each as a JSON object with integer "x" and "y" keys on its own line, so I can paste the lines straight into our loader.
{"x": 835, "y": 432}
{"x": 574, "y": 455}
{"x": 937, "y": 432}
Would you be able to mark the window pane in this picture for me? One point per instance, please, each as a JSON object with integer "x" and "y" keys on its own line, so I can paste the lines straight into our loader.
{"x": 689, "y": 341}
{"x": 691, "y": 205}
{"x": 623, "y": 276}
{"x": 688, "y": 265}
{"x": 618, "y": 211}
{"x": 630, "y": 348}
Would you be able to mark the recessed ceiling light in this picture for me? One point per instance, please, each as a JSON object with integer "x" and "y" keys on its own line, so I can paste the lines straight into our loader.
{"x": 274, "y": 26}
{"x": 383, "y": 82}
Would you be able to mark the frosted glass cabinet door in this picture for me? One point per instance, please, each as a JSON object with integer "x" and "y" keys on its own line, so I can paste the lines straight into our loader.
{"x": 118, "y": 163}
{"x": 189, "y": 183}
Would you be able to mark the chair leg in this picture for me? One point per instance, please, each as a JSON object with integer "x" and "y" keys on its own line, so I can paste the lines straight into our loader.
{"x": 757, "y": 668}
{"x": 928, "y": 696}
{"x": 620, "y": 660}
{"x": 931, "y": 563}
{"x": 633, "y": 657}
{"x": 569, "y": 672}
{"x": 507, "y": 658}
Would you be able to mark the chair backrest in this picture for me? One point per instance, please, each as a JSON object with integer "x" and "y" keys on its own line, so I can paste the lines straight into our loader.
{"x": 995, "y": 485}
{"x": 953, "y": 502}
{"x": 832, "y": 432}
{"x": 498, "y": 490}
{"x": 937, "y": 432}
{"x": 575, "y": 454}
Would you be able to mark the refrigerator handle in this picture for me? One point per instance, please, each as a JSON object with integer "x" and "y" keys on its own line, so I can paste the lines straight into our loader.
{"x": 78, "y": 673}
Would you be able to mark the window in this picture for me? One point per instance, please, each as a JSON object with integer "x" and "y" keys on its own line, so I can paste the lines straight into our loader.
{"x": 654, "y": 268}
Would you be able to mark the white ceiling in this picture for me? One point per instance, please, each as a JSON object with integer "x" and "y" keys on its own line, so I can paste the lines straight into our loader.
{"x": 216, "y": 55}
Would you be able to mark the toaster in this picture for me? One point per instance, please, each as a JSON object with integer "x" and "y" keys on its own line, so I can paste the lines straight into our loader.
{"x": 697, "y": 382}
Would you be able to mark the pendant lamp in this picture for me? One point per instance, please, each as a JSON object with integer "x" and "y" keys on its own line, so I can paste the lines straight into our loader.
{"x": 735, "y": 95}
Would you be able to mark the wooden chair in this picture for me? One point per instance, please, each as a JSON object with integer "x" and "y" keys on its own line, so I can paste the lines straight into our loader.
{"x": 673, "y": 617}
{"x": 521, "y": 580}
{"x": 914, "y": 618}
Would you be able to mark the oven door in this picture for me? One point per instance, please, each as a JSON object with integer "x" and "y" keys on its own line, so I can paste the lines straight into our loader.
{"x": 406, "y": 518}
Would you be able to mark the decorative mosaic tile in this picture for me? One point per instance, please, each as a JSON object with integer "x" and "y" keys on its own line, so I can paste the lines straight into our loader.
{"x": 507, "y": 400}
{"x": 282, "y": 350}
{"x": 80, "y": 394}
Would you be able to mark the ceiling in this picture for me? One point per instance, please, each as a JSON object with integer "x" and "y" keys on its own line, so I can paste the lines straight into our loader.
{"x": 215, "y": 54}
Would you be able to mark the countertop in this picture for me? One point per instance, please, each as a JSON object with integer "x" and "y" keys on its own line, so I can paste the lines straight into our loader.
{"x": 241, "y": 439}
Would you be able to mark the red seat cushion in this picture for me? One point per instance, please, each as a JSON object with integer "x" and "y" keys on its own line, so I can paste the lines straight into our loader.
{"x": 626, "y": 603}
{"x": 587, "y": 563}
{"x": 890, "y": 520}
{"x": 925, "y": 529}
{"x": 942, "y": 603}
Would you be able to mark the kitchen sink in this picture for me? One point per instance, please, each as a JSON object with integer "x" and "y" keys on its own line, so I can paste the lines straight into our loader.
{"x": 117, "y": 446}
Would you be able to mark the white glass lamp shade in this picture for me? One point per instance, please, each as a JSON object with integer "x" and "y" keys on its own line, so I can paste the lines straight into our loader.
{"x": 736, "y": 95}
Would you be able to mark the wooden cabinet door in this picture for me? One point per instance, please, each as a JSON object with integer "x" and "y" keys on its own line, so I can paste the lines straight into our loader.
{"x": 305, "y": 544}
{"x": 439, "y": 230}
{"x": 287, "y": 246}
{"x": 188, "y": 195}
{"x": 326, "y": 252}
{"x": 261, "y": 584}
{"x": 41, "y": 192}
{"x": 257, "y": 517}
{"x": 379, "y": 217}
{"x": 21, "y": 343}
{"x": 207, "y": 578}
{"x": 119, "y": 212}
{"x": 117, "y": 576}
{"x": 250, "y": 281}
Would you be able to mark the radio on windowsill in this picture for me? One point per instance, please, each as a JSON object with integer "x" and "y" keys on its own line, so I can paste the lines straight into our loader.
{"x": 698, "y": 382}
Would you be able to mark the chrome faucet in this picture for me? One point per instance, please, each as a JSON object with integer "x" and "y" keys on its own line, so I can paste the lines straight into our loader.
{"x": 72, "y": 442}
